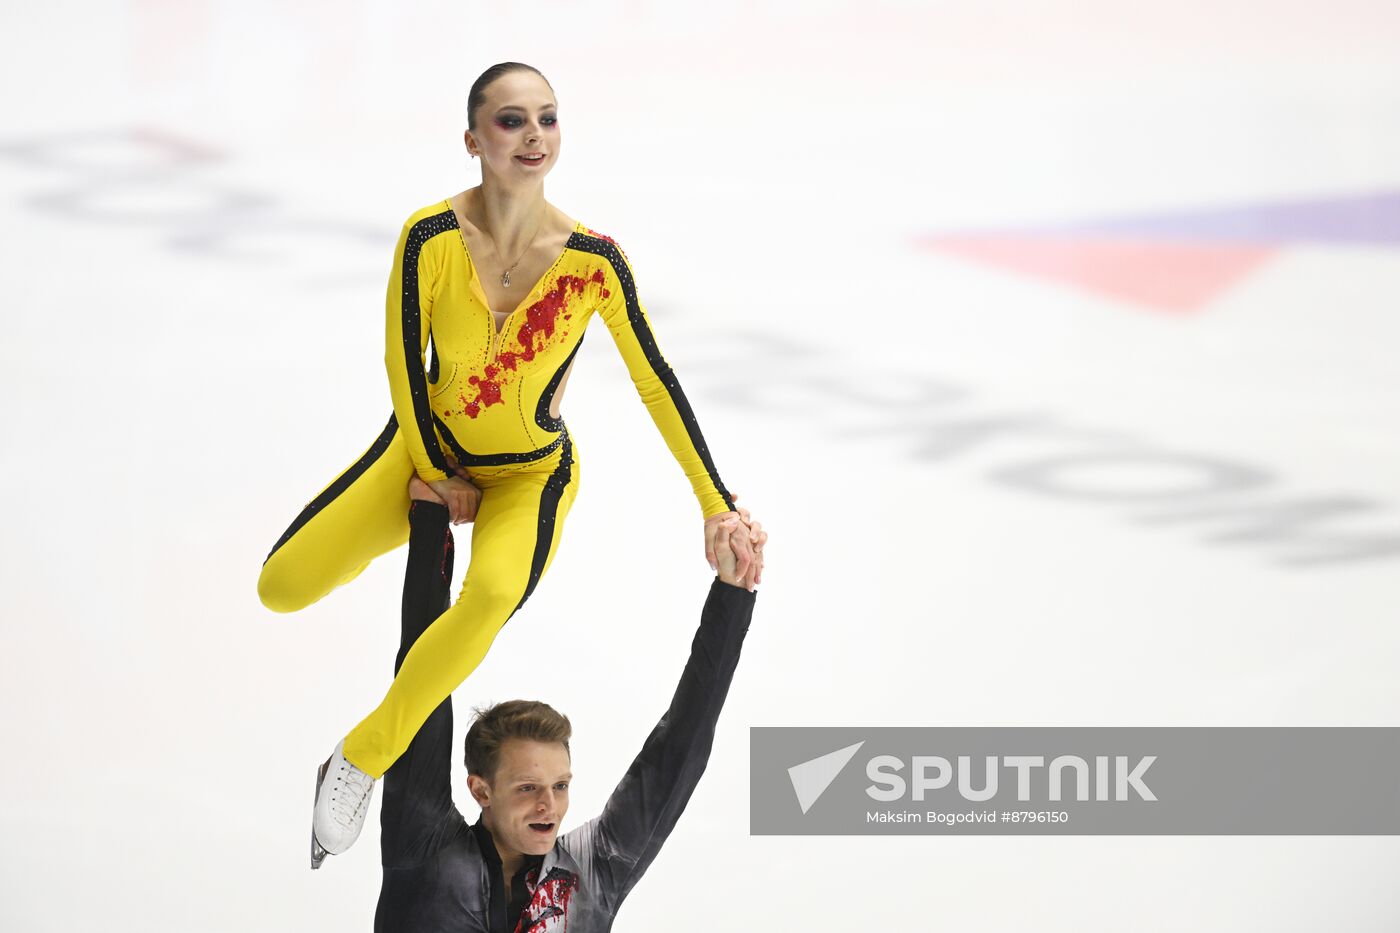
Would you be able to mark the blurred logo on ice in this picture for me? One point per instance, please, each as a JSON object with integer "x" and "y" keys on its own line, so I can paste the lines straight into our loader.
{"x": 1179, "y": 261}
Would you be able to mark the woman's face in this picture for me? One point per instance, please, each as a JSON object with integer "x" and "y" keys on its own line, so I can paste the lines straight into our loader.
{"x": 517, "y": 128}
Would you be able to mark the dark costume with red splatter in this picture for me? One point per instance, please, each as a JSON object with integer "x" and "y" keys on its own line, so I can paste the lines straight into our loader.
{"x": 442, "y": 874}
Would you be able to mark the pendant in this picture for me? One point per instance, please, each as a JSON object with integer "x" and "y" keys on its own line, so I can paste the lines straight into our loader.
{"x": 505, "y": 279}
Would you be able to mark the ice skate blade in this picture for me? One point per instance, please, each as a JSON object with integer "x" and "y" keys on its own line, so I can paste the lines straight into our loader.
{"x": 318, "y": 851}
{"x": 318, "y": 854}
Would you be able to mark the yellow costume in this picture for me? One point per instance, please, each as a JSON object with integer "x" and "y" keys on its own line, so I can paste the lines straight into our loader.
{"x": 485, "y": 402}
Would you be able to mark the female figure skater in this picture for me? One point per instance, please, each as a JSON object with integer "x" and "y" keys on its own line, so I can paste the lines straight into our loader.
{"x": 480, "y": 425}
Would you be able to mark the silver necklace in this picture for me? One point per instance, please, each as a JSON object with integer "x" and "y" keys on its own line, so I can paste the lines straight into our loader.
{"x": 505, "y": 276}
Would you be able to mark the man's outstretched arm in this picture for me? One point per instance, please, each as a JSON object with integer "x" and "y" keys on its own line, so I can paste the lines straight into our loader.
{"x": 418, "y": 787}
{"x": 644, "y": 808}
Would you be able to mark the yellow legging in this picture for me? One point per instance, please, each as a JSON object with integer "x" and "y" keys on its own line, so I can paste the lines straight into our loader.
{"x": 364, "y": 513}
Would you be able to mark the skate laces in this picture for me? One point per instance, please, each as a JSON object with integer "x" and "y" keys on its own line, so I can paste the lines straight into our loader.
{"x": 356, "y": 785}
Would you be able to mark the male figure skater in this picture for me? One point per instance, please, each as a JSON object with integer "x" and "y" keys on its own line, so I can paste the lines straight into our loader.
{"x": 511, "y": 872}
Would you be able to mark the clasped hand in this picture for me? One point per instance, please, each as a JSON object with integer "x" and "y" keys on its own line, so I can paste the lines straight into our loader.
{"x": 457, "y": 492}
{"x": 734, "y": 547}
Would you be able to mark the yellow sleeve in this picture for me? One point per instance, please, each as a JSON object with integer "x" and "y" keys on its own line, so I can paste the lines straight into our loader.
{"x": 656, "y": 383}
{"x": 408, "y": 323}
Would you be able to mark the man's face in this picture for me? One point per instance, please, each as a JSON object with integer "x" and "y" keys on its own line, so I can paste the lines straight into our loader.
{"x": 525, "y": 801}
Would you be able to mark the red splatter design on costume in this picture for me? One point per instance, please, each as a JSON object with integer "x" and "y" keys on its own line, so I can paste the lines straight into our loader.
{"x": 549, "y": 901}
{"x": 448, "y": 549}
{"x": 488, "y": 388}
{"x": 542, "y": 320}
{"x": 601, "y": 236}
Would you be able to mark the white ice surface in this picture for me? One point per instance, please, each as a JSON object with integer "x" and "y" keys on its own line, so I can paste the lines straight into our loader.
{"x": 199, "y": 204}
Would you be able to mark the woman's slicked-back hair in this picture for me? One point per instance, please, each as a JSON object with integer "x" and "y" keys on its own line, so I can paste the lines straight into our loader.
{"x": 477, "y": 96}
{"x": 513, "y": 719}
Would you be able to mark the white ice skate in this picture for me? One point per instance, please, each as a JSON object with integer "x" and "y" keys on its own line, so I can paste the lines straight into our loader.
{"x": 343, "y": 793}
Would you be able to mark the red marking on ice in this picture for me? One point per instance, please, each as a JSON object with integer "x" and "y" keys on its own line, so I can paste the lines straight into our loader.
{"x": 1164, "y": 275}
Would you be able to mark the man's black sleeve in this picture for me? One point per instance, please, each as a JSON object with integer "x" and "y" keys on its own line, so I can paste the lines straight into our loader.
{"x": 644, "y": 808}
{"x": 418, "y": 808}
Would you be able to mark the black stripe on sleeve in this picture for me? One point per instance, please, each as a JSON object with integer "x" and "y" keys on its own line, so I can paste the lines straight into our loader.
{"x": 609, "y": 251}
{"x": 419, "y": 234}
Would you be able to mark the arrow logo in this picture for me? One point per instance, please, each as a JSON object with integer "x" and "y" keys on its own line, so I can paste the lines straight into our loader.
{"x": 811, "y": 778}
